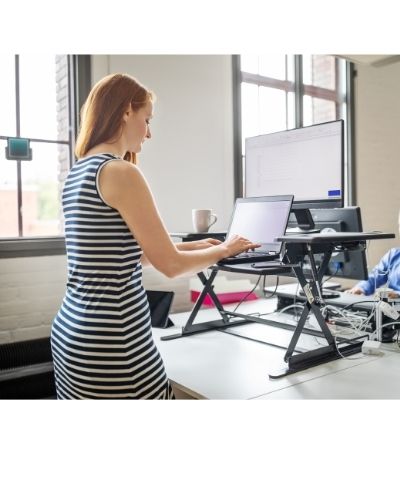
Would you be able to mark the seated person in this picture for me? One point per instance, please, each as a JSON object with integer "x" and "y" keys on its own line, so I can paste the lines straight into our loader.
{"x": 387, "y": 272}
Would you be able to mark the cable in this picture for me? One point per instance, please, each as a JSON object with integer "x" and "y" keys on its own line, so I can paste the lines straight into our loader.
{"x": 350, "y": 358}
{"x": 249, "y": 293}
{"x": 272, "y": 293}
{"x": 338, "y": 266}
{"x": 358, "y": 302}
{"x": 291, "y": 306}
{"x": 356, "y": 323}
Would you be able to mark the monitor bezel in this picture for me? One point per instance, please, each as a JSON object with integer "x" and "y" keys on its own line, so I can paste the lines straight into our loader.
{"x": 312, "y": 203}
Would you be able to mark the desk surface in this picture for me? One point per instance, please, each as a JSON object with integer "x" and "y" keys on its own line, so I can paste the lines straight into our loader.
{"x": 216, "y": 365}
{"x": 334, "y": 237}
{"x": 343, "y": 299}
{"x": 377, "y": 379}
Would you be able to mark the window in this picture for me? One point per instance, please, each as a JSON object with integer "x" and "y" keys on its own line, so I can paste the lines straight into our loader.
{"x": 279, "y": 92}
{"x": 36, "y": 107}
{"x": 40, "y": 98}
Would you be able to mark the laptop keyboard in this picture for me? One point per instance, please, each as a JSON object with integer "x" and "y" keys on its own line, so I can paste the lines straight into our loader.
{"x": 244, "y": 257}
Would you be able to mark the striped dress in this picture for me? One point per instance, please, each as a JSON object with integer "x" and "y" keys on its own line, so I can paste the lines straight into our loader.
{"x": 101, "y": 338}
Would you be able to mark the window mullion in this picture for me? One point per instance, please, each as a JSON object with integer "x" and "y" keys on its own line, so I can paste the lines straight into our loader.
{"x": 298, "y": 93}
{"x": 350, "y": 135}
{"x": 18, "y": 134}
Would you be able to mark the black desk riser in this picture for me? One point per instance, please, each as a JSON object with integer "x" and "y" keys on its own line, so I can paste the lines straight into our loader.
{"x": 296, "y": 248}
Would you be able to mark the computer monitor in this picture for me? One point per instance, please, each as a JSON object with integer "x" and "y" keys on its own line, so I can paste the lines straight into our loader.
{"x": 346, "y": 264}
{"x": 307, "y": 162}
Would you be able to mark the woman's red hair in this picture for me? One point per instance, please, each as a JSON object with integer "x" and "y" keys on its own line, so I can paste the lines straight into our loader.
{"x": 102, "y": 113}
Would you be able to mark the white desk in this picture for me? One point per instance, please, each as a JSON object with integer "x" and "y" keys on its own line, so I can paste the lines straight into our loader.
{"x": 377, "y": 379}
{"x": 216, "y": 365}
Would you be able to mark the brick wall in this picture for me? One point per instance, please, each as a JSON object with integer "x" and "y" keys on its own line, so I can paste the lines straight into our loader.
{"x": 62, "y": 127}
{"x": 323, "y": 75}
{"x": 30, "y": 294}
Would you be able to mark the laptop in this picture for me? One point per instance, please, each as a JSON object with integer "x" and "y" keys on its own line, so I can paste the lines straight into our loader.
{"x": 261, "y": 219}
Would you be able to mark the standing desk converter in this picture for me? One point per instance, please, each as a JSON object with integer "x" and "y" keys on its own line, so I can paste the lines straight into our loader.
{"x": 297, "y": 246}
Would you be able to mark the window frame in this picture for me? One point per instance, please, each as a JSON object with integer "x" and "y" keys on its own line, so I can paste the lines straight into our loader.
{"x": 300, "y": 90}
{"x": 79, "y": 86}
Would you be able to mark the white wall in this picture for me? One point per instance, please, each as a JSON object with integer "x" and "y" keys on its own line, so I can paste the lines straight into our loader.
{"x": 377, "y": 125}
{"x": 189, "y": 160}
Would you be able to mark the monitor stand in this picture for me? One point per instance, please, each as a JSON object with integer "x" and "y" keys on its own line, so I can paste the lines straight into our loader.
{"x": 305, "y": 222}
{"x": 298, "y": 230}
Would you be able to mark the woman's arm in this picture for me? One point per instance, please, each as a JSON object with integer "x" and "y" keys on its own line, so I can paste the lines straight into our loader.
{"x": 198, "y": 244}
{"x": 124, "y": 188}
{"x": 187, "y": 245}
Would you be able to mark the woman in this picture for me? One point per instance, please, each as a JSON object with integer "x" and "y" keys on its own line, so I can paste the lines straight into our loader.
{"x": 101, "y": 337}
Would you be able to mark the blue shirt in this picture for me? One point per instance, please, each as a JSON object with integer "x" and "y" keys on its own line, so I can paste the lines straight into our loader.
{"x": 386, "y": 272}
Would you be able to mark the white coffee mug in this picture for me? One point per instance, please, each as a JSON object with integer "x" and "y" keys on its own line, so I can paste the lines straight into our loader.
{"x": 203, "y": 219}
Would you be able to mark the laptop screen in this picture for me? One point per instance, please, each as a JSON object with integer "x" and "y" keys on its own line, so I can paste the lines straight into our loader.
{"x": 261, "y": 220}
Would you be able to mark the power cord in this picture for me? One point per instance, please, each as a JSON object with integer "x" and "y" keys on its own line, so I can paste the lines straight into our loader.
{"x": 270, "y": 295}
{"x": 339, "y": 266}
{"x": 356, "y": 323}
{"x": 249, "y": 293}
{"x": 349, "y": 306}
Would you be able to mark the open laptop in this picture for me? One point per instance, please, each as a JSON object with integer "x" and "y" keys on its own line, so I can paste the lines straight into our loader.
{"x": 261, "y": 219}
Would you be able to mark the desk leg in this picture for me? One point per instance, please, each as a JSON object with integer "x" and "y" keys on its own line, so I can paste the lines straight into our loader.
{"x": 297, "y": 332}
{"x": 208, "y": 289}
{"x": 190, "y": 328}
{"x": 314, "y": 302}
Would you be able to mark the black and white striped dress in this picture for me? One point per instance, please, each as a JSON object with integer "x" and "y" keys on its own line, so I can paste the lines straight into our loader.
{"x": 101, "y": 338}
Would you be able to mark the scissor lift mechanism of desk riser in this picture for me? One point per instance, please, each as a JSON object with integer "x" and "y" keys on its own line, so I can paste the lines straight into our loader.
{"x": 296, "y": 248}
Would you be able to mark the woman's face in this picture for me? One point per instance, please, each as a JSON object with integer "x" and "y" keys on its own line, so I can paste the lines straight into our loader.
{"x": 137, "y": 127}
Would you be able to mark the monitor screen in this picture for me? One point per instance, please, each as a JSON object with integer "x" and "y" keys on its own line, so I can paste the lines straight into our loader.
{"x": 307, "y": 162}
{"x": 347, "y": 264}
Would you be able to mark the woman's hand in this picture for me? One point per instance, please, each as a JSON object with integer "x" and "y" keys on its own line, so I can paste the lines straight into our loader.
{"x": 357, "y": 291}
{"x": 238, "y": 244}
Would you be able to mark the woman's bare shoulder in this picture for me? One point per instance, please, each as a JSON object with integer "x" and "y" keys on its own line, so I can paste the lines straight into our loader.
{"x": 119, "y": 169}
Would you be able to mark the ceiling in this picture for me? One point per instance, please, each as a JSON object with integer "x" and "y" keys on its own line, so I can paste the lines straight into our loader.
{"x": 376, "y": 60}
